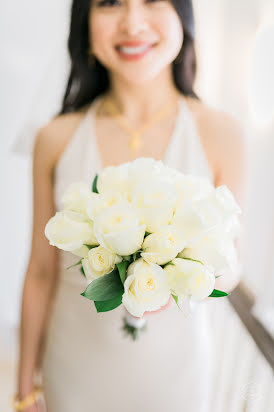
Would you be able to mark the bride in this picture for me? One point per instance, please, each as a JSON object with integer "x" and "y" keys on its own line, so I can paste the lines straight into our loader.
{"x": 130, "y": 94}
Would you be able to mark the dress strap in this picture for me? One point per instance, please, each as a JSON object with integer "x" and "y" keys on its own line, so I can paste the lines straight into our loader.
{"x": 197, "y": 155}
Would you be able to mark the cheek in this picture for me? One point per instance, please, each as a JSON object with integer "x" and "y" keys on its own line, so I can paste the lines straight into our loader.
{"x": 171, "y": 28}
{"x": 101, "y": 30}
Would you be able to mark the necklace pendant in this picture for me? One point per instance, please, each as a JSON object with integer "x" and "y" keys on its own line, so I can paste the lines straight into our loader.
{"x": 135, "y": 142}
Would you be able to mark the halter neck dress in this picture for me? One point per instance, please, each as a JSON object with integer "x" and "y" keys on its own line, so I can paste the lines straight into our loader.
{"x": 88, "y": 364}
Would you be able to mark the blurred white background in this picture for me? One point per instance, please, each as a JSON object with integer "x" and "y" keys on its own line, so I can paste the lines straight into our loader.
{"x": 236, "y": 65}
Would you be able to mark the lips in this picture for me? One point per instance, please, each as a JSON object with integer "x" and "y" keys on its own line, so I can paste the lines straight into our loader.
{"x": 135, "y": 44}
{"x": 134, "y": 50}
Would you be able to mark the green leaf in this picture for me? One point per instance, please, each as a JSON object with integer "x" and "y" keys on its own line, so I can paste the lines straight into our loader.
{"x": 94, "y": 184}
{"x": 147, "y": 234}
{"x": 218, "y": 294}
{"x": 136, "y": 255}
{"x": 216, "y": 277}
{"x": 122, "y": 267}
{"x": 104, "y": 288}
{"x": 128, "y": 258}
{"x": 75, "y": 264}
{"x": 82, "y": 271}
{"x": 106, "y": 305}
{"x": 168, "y": 263}
{"x": 90, "y": 246}
{"x": 175, "y": 298}
{"x": 193, "y": 260}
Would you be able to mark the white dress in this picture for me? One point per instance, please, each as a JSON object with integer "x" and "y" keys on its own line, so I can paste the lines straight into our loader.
{"x": 89, "y": 365}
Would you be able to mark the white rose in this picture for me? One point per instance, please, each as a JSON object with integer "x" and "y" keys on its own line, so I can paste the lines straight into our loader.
{"x": 99, "y": 262}
{"x": 218, "y": 208}
{"x": 188, "y": 220}
{"x": 69, "y": 231}
{"x": 77, "y": 196}
{"x": 142, "y": 169}
{"x": 162, "y": 246}
{"x": 213, "y": 249}
{"x": 82, "y": 251}
{"x": 226, "y": 201}
{"x": 189, "y": 278}
{"x": 169, "y": 172}
{"x": 154, "y": 201}
{"x": 113, "y": 179}
{"x": 215, "y": 211}
{"x": 233, "y": 227}
{"x": 192, "y": 188}
{"x": 146, "y": 288}
{"x": 118, "y": 229}
{"x": 102, "y": 201}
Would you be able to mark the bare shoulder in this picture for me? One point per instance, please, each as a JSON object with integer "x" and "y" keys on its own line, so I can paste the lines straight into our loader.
{"x": 52, "y": 139}
{"x": 223, "y": 139}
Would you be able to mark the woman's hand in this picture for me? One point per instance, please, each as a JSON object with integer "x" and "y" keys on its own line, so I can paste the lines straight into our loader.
{"x": 34, "y": 408}
{"x": 38, "y": 406}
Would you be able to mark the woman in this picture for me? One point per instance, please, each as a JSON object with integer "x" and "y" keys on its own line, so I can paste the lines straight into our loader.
{"x": 135, "y": 59}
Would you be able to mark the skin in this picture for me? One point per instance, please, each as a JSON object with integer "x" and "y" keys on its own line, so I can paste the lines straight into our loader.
{"x": 138, "y": 89}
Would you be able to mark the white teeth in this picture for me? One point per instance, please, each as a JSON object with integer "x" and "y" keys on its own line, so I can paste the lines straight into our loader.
{"x": 133, "y": 50}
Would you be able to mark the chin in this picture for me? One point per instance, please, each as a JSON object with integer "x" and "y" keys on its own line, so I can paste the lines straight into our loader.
{"x": 140, "y": 75}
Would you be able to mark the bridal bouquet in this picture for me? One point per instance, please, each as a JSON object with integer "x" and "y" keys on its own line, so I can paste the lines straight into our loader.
{"x": 145, "y": 232}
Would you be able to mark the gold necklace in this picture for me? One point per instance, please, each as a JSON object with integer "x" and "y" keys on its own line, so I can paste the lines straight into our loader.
{"x": 135, "y": 141}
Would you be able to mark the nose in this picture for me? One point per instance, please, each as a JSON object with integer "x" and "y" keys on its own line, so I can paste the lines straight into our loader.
{"x": 134, "y": 20}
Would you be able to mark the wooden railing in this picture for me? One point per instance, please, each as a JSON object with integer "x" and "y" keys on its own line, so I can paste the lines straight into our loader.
{"x": 242, "y": 300}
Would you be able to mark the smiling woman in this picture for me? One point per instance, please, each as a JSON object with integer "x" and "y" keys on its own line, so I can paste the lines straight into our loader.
{"x": 139, "y": 57}
{"x": 94, "y": 23}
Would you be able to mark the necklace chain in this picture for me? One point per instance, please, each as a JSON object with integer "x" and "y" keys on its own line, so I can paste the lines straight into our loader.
{"x": 135, "y": 141}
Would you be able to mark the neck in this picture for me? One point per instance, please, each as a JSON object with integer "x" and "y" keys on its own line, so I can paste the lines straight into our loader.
{"x": 138, "y": 102}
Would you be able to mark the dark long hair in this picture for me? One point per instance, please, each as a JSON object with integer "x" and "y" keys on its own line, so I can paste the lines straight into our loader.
{"x": 86, "y": 82}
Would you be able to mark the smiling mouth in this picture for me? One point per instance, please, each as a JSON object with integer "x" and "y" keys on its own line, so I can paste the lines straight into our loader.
{"x": 136, "y": 51}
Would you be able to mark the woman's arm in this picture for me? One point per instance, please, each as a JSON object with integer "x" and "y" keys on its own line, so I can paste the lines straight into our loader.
{"x": 230, "y": 159}
{"x": 41, "y": 275}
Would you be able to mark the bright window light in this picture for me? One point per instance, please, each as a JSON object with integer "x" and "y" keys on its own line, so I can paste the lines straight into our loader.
{"x": 261, "y": 81}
